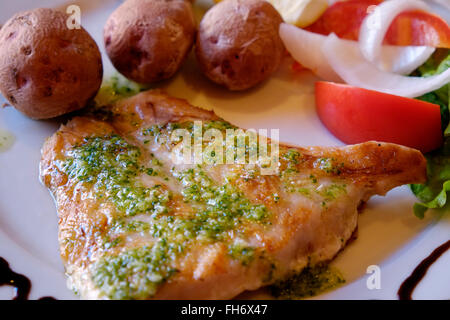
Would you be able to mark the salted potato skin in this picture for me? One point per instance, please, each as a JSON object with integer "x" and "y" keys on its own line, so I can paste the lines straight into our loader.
{"x": 47, "y": 69}
{"x": 148, "y": 40}
{"x": 238, "y": 45}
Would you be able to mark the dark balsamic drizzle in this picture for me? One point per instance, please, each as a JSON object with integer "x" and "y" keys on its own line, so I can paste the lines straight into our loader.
{"x": 47, "y": 299}
{"x": 408, "y": 286}
{"x": 21, "y": 284}
{"x": 8, "y": 277}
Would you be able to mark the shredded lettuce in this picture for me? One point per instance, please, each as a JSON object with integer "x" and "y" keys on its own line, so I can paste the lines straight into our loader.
{"x": 433, "y": 194}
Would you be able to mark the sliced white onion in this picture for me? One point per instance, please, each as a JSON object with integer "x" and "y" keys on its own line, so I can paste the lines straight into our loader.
{"x": 306, "y": 48}
{"x": 403, "y": 60}
{"x": 355, "y": 70}
{"x": 375, "y": 26}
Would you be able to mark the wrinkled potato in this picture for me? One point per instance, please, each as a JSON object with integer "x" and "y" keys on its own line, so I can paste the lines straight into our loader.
{"x": 238, "y": 45}
{"x": 148, "y": 40}
{"x": 46, "y": 69}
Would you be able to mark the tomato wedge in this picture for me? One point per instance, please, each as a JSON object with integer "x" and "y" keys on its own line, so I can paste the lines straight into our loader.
{"x": 356, "y": 115}
{"x": 415, "y": 28}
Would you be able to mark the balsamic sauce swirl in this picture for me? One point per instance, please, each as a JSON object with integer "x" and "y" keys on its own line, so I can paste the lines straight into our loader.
{"x": 8, "y": 277}
{"x": 21, "y": 284}
{"x": 408, "y": 286}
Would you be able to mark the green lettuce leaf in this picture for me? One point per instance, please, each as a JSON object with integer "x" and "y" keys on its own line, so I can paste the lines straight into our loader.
{"x": 433, "y": 194}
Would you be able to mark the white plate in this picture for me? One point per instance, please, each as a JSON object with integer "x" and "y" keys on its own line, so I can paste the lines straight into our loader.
{"x": 389, "y": 235}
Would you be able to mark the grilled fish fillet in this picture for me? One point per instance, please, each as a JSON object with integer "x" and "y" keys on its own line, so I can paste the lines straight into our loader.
{"x": 135, "y": 225}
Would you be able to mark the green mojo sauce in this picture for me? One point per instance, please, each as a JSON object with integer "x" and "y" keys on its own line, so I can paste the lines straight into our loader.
{"x": 111, "y": 167}
{"x": 310, "y": 282}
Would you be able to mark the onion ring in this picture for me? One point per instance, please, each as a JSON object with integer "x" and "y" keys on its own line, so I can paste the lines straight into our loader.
{"x": 355, "y": 70}
{"x": 306, "y": 48}
{"x": 376, "y": 24}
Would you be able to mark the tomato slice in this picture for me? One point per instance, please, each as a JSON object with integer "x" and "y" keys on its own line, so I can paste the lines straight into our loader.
{"x": 419, "y": 28}
{"x": 356, "y": 115}
{"x": 415, "y": 28}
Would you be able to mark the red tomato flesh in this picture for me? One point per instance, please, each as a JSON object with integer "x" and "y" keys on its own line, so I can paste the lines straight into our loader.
{"x": 356, "y": 115}
{"x": 415, "y": 28}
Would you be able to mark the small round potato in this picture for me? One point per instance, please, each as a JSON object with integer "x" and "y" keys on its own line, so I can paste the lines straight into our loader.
{"x": 148, "y": 40}
{"x": 238, "y": 44}
{"x": 47, "y": 69}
